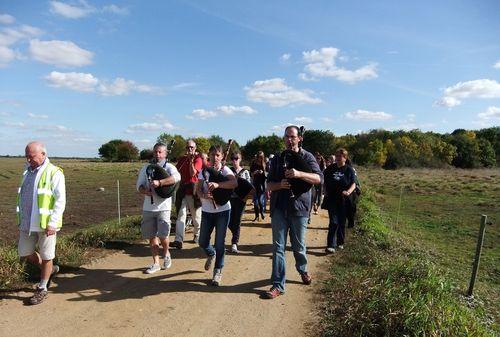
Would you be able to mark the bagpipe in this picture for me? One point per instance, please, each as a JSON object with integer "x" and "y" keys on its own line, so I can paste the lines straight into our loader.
{"x": 220, "y": 195}
{"x": 245, "y": 189}
{"x": 156, "y": 172}
{"x": 293, "y": 160}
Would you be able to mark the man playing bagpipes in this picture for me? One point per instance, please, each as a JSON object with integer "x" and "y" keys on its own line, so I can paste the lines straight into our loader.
{"x": 152, "y": 180}
{"x": 291, "y": 176}
{"x": 189, "y": 167}
{"x": 215, "y": 186}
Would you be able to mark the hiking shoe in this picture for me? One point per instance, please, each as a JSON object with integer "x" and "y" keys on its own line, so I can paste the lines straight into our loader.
{"x": 167, "y": 262}
{"x": 341, "y": 247}
{"x": 273, "y": 293}
{"x": 330, "y": 250}
{"x": 153, "y": 269}
{"x": 217, "y": 277}
{"x": 38, "y": 297}
{"x": 196, "y": 239}
{"x": 209, "y": 262}
{"x": 234, "y": 248}
{"x": 306, "y": 278}
{"x": 176, "y": 244}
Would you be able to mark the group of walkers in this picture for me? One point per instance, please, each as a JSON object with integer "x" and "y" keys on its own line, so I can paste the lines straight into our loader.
{"x": 41, "y": 202}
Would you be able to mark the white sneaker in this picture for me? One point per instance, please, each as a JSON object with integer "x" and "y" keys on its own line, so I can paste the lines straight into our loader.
{"x": 55, "y": 270}
{"x": 196, "y": 239}
{"x": 234, "y": 248}
{"x": 330, "y": 250}
{"x": 167, "y": 262}
{"x": 341, "y": 247}
{"x": 153, "y": 269}
{"x": 217, "y": 277}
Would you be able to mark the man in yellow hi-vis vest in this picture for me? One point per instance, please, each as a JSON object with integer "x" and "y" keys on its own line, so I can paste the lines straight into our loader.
{"x": 41, "y": 201}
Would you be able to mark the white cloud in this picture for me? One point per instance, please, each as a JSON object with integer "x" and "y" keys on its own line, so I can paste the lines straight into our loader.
{"x": 148, "y": 126}
{"x": 71, "y": 11}
{"x": 6, "y": 19}
{"x": 492, "y": 113}
{"x": 32, "y": 115}
{"x": 322, "y": 63}
{"x": 53, "y": 128}
{"x": 497, "y": 65}
{"x": 365, "y": 115}
{"x": 74, "y": 81}
{"x": 17, "y": 125}
{"x": 115, "y": 9}
{"x": 305, "y": 120}
{"x": 327, "y": 119}
{"x": 60, "y": 53}
{"x": 285, "y": 57}
{"x": 201, "y": 114}
{"x": 230, "y": 109}
{"x": 85, "y": 82}
{"x": 277, "y": 93}
{"x": 6, "y": 55}
{"x": 483, "y": 88}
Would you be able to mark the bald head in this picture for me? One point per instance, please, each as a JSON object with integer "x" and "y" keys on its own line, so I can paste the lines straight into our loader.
{"x": 35, "y": 154}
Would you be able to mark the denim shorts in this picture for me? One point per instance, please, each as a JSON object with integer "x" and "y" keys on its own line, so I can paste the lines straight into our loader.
{"x": 155, "y": 224}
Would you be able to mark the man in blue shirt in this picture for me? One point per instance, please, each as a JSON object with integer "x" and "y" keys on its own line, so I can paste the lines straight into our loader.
{"x": 290, "y": 214}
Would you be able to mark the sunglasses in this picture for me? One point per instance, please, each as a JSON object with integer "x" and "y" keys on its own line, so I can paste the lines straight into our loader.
{"x": 235, "y": 158}
{"x": 189, "y": 147}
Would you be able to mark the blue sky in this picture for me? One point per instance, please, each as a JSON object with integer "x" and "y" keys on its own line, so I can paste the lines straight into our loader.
{"x": 76, "y": 74}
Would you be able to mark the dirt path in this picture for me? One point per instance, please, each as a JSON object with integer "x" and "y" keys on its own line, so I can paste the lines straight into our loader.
{"x": 112, "y": 296}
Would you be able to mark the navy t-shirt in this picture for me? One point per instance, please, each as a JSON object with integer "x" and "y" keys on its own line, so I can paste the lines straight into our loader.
{"x": 337, "y": 180}
{"x": 280, "y": 199}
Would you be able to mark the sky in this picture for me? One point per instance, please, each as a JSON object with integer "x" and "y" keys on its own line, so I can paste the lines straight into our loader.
{"x": 76, "y": 74}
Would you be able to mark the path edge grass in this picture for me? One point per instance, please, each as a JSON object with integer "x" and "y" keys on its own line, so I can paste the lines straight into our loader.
{"x": 383, "y": 285}
{"x": 72, "y": 251}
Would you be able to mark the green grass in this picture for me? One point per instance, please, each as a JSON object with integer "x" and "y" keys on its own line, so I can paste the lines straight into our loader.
{"x": 383, "y": 285}
{"x": 72, "y": 250}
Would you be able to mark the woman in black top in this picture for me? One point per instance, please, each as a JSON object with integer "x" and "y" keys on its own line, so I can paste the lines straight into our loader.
{"x": 339, "y": 185}
{"x": 258, "y": 173}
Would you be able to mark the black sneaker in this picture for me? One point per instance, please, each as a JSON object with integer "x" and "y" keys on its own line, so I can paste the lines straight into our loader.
{"x": 176, "y": 244}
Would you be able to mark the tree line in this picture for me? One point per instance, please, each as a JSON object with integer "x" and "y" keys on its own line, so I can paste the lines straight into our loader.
{"x": 376, "y": 148}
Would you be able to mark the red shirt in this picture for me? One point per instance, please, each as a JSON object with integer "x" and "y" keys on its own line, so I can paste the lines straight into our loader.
{"x": 183, "y": 165}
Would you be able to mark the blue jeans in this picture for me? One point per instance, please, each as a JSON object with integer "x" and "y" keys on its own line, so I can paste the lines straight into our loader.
{"x": 281, "y": 226}
{"x": 259, "y": 204}
{"x": 219, "y": 221}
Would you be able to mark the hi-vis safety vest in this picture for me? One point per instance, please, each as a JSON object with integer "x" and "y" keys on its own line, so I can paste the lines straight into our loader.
{"x": 45, "y": 196}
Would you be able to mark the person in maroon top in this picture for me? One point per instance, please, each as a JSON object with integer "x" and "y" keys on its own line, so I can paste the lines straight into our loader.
{"x": 189, "y": 166}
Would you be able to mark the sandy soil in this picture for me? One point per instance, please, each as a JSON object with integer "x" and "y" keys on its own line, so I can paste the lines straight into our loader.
{"x": 113, "y": 297}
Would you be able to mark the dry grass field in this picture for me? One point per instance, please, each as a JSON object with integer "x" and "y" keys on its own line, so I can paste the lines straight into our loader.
{"x": 85, "y": 203}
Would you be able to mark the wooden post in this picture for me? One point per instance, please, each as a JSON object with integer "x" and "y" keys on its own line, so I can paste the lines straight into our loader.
{"x": 399, "y": 207}
{"x": 118, "y": 196}
{"x": 479, "y": 247}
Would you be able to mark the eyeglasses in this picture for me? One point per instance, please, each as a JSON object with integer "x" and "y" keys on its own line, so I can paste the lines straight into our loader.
{"x": 235, "y": 158}
{"x": 189, "y": 147}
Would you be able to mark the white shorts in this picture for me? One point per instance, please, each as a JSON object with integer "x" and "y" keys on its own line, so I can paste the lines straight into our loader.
{"x": 155, "y": 224}
{"x": 28, "y": 243}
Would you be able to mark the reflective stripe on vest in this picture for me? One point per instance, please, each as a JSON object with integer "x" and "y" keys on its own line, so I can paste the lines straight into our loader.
{"x": 45, "y": 197}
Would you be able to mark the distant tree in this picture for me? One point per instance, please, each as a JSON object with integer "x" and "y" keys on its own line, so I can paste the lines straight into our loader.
{"x": 468, "y": 151}
{"x": 146, "y": 154}
{"x": 493, "y": 136}
{"x": 126, "y": 151}
{"x": 319, "y": 141}
{"x": 108, "y": 151}
{"x": 216, "y": 140}
{"x": 202, "y": 144}
{"x": 487, "y": 153}
{"x": 267, "y": 144}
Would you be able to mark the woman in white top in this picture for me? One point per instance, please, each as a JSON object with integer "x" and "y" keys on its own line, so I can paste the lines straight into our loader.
{"x": 213, "y": 215}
